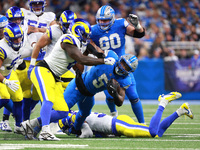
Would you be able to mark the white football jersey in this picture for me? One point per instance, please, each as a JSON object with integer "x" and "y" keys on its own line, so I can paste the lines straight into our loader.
{"x": 54, "y": 32}
{"x": 9, "y": 56}
{"x": 100, "y": 122}
{"x": 42, "y": 21}
{"x": 58, "y": 60}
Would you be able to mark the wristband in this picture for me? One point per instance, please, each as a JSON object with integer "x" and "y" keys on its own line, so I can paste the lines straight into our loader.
{"x": 4, "y": 80}
{"x": 33, "y": 60}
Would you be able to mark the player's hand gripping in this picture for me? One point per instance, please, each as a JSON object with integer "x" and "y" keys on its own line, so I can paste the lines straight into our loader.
{"x": 11, "y": 84}
{"x": 134, "y": 21}
{"x": 109, "y": 61}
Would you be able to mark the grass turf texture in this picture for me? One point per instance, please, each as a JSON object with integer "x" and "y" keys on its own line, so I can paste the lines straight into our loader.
{"x": 183, "y": 134}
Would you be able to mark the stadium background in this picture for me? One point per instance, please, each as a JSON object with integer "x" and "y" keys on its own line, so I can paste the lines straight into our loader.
{"x": 172, "y": 35}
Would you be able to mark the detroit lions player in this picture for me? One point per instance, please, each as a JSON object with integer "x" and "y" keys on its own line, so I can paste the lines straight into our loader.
{"x": 102, "y": 125}
{"x": 10, "y": 53}
{"x": 66, "y": 52}
{"x": 109, "y": 34}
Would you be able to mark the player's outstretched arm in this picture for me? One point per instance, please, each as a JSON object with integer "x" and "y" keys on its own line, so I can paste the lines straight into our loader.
{"x": 76, "y": 54}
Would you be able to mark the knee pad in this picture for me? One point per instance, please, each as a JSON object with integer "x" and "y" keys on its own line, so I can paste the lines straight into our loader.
{"x": 134, "y": 100}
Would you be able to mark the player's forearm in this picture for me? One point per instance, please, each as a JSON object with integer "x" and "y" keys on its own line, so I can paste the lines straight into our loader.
{"x": 89, "y": 61}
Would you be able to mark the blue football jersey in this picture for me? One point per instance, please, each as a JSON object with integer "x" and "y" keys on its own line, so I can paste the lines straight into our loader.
{"x": 112, "y": 39}
{"x": 96, "y": 78}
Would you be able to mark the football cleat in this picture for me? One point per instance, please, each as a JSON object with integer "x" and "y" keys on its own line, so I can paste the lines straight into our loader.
{"x": 19, "y": 130}
{"x": 170, "y": 97}
{"x": 114, "y": 113}
{"x": 4, "y": 126}
{"x": 48, "y": 136}
{"x": 28, "y": 129}
{"x": 185, "y": 107}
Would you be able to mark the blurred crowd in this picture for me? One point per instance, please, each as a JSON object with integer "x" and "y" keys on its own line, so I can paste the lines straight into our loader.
{"x": 164, "y": 20}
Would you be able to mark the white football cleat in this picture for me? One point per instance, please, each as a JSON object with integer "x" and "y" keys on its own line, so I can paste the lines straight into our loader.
{"x": 28, "y": 129}
{"x": 187, "y": 111}
{"x": 19, "y": 130}
{"x": 170, "y": 97}
{"x": 5, "y": 126}
{"x": 48, "y": 136}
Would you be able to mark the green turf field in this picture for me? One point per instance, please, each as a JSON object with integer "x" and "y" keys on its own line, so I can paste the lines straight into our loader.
{"x": 184, "y": 134}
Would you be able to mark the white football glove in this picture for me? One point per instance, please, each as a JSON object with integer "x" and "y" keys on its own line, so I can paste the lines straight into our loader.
{"x": 109, "y": 61}
{"x": 134, "y": 21}
{"x": 11, "y": 84}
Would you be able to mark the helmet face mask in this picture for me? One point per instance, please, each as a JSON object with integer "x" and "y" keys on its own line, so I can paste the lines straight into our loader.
{"x": 81, "y": 29}
{"x": 37, "y": 6}
{"x": 126, "y": 64}
{"x": 14, "y": 36}
{"x": 105, "y": 17}
{"x": 15, "y": 15}
{"x": 66, "y": 18}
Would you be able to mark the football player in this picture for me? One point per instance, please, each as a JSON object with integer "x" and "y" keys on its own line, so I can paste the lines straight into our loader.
{"x": 109, "y": 34}
{"x": 102, "y": 125}
{"x": 66, "y": 52}
{"x": 36, "y": 18}
{"x": 49, "y": 39}
{"x": 10, "y": 54}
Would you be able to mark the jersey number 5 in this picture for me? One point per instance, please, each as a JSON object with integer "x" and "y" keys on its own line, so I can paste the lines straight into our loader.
{"x": 113, "y": 41}
{"x": 100, "y": 83}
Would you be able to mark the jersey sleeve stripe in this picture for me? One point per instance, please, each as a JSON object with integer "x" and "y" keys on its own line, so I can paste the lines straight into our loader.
{"x": 49, "y": 33}
{"x": 3, "y": 54}
{"x": 69, "y": 39}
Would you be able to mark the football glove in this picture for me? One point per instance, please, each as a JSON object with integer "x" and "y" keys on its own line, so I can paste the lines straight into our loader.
{"x": 109, "y": 61}
{"x": 11, "y": 84}
{"x": 134, "y": 21}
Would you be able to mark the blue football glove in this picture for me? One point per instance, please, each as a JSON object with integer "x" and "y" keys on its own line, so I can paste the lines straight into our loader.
{"x": 30, "y": 70}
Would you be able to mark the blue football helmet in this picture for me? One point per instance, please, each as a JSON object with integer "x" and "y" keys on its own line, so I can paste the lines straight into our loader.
{"x": 3, "y": 21}
{"x": 37, "y": 4}
{"x": 105, "y": 13}
{"x": 126, "y": 64}
{"x": 66, "y": 18}
{"x": 15, "y": 13}
{"x": 13, "y": 31}
{"x": 81, "y": 29}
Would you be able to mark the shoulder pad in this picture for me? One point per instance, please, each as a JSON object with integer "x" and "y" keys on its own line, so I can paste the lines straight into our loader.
{"x": 68, "y": 39}
{"x": 3, "y": 54}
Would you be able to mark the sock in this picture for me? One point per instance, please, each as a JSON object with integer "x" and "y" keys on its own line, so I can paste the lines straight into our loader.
{"x": 111, "y": 105}
{"x": 46, "y": 128}
{"x": 9, "y": 106}
{"x": 138, "y": 111}
{"x": 163, "y": 103}
{"x": 6, "y": 114}
{"x": 17, "y": 112}
{"x": 166, "y": 123}
{"x": 33, "y": 103}
{"x": 79, "y": 121}
{"x": 180, "y": 112}
{"x": 3, "y": 102}
{"x": 45, "y": 112}
{"x": 26, "y": 108}
{"x": 56, "y": 115}
{"x": 155, "y": 121}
